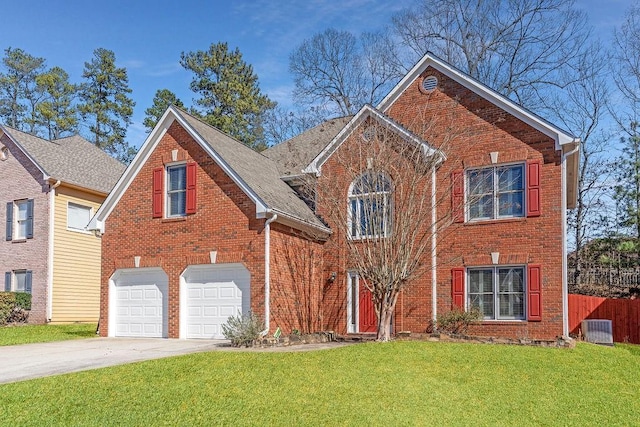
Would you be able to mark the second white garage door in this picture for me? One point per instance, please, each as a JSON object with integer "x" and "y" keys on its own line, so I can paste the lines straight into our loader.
{"x": 211, "y": 293}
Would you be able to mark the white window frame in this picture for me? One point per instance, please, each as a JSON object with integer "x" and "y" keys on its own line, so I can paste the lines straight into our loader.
{"x": 353, "y": 302}
{"x": 78, "y": 206}
{"x": 14, "y": 280}
{"x": 17, "y": 221}
{"x": 168, "y": 191}
{"x": 495, "y": 193}
{"x": 356, "y": 219}
{"x": 495, "y": 269}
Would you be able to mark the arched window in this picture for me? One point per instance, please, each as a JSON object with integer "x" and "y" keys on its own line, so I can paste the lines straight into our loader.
{"x": 370, "y": 206}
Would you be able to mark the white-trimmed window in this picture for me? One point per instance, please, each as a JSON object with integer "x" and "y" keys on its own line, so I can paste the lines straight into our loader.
{"x": 176, "y": 190}
{"x": 18, "y": 281}
{"x": 497, "y": 292}
{"x": 496, "y": 192}
{"x": 78, "y": 216}
{"x": 370, "y": 206}
{"x": 19, "y": 216}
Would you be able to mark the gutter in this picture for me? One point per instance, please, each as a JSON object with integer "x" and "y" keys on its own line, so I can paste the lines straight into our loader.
{"x": 52, "y": 195}
{"x": 267, "y": 273}
{"x": 565, "y": 285}
{"x": 434, "y": 287}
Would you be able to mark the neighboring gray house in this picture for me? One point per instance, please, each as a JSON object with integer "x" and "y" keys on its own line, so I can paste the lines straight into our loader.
{"x": 49, "y": 190}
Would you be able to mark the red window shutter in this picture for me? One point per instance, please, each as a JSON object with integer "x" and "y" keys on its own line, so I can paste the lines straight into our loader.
{"x": 533, "y": 187}
{"x": 534, "y": 293}
{"x": 457, "y": 195}
{"x": 457, "y": 287}
{"x": 191, "y": 188}
{"x": 158, "y": 175}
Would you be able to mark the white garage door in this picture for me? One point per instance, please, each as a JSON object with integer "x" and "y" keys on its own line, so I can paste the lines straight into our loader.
{"x": 139, "y": 307}
{"x": 211, "y": 294}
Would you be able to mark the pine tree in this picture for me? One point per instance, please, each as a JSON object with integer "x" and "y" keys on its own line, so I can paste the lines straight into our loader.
{"x": 56, "y": 112}
{"x": 18, "y": 90}
{"x": 161, "y": 101}
{"x": 230, "y": 97}
{"x": 627, "y": 191}
{"x": 106, "y": 103}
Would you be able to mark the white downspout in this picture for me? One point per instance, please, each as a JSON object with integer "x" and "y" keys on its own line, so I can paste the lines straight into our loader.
{"x": 434, "y": 282}
{"x": 565, "y": 285}
{"x": 267, "y": 273}
{"x": 52, "y": 198}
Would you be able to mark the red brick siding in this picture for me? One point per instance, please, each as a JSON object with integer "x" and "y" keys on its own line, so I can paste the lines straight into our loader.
{"x": 467, "y": 128}
{"x": 297, "y": 279}
{"x": 224, "y": 222}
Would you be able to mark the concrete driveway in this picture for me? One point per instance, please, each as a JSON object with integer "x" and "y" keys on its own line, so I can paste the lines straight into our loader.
{"x": 23, "y": 362}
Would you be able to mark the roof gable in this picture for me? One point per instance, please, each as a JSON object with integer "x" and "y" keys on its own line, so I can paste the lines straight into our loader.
{"x": 560, "y": 136}
{"x": 72, "y": 160}
{"x": 256, "y": 175}
{"x": 294, "y": 155}
{"x": 367, "y": 112}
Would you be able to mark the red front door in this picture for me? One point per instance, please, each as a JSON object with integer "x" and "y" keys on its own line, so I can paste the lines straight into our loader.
{"x": 367, "y": 320}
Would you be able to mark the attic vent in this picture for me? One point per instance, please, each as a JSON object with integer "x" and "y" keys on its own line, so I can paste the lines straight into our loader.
{"x": 430, "y": 83}
{"x": 598, "y": 331}
{"x": 369, "y": 134}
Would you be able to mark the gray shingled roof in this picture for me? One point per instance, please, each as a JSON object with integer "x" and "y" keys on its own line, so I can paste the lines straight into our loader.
{"x": 72, "y": 160}
{"x": 257, "y": 171}
{"x": 295, "y": 154}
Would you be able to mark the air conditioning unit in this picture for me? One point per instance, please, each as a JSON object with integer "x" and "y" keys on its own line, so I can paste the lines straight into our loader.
{"x": 598, "y": 331}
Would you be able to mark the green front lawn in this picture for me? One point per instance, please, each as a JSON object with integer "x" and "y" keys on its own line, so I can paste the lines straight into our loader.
{"x": 27, "y": 334}
{"x": 398, "y": 383}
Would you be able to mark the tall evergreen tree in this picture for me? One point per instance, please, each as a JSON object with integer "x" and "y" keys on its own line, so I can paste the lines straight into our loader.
{"x": 627, "y": 190}
{"x": 230, "y": 97}
{"x": 56, "y": 112}
{"x": 161, "y": 101}
{"x": 105, "y": 102}
{"x": 18, "y": 90}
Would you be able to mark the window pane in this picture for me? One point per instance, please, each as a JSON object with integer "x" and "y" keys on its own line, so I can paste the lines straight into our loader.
{"x": 370, "y": 213}
{"x": 354, "y": 218}
{"x": 511, "y": 279}
{"x": 511, "y": 297}
{"x": 177, "y": 203}
{"x": 22, "y": 211}
{"x": 484, "y": 303}
{"x": 177, "y": 178}
{"x": 20, "y": 281}
{"x": 481, "y": 181}
{"x": 510, "y": 178}
{"x": 78, "y": 216}
{"x": 511, "y": 306}
{"x": 481, "y": 207}
{"x": 480, "y": 281}
{"x": 510, "y": 204}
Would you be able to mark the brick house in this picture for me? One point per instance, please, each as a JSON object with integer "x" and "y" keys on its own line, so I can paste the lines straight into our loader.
{"x": 50, "y": 190}
{"x": 200, "y": 227}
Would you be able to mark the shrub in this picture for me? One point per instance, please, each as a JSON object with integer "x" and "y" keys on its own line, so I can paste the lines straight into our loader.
{"x": 14, "y": 306}
{"x": 7, "y": 303}
{"x": 243, "y": 329}
{"x": 457, "y": 321}
{"x": 23, "y": 300}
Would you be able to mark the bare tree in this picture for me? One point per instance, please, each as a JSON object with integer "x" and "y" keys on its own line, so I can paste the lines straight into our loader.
{"x": 626, "y": 70}
{"x": 340, "y": 72}
{"x": 517, "y": 47}
{"x": 281, "y": 125}
{"x": 377, "y": 194}
{"x": 581, "y": 108}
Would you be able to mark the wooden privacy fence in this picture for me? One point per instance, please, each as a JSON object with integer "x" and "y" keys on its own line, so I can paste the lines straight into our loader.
{"x": 623, "y": 313}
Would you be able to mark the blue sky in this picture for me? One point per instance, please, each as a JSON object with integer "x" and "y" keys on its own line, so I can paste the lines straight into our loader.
{"x": 148, "y": 37}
